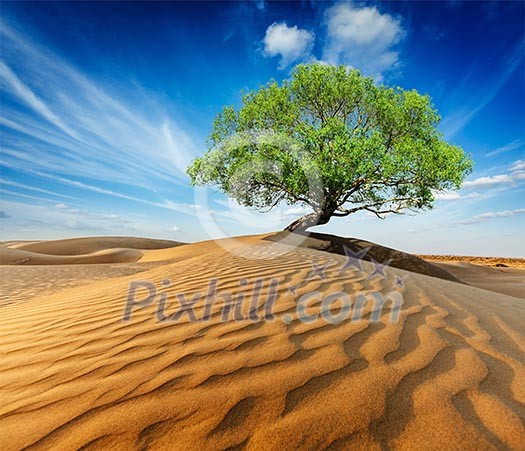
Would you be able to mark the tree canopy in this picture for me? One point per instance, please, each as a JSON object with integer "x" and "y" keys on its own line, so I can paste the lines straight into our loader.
{"x": 331, "y": 139}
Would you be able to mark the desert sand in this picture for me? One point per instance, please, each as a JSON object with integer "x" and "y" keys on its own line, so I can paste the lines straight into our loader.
{"x": 449, "y": 374}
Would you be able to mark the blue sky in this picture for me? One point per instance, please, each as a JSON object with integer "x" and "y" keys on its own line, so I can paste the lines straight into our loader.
{"x": 104, "y": 105}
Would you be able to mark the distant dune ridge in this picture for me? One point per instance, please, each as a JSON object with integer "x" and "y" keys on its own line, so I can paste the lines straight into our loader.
{"x": 450, "y": 374}
{"x": 87, "y": 245}
{"x": 79, "y": 250}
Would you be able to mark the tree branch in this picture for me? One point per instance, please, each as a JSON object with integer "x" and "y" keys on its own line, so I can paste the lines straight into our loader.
{"x": 352, "y": 190}
{"x": 370, "y": 207}
{"x": 293, "y": 196}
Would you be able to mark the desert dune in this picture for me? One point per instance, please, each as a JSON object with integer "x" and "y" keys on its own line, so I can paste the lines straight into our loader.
{"x": 449, "y": 373}
{"x": 88, "y": 245}
{"x": 74, "y": 251}
{"x": 50, "y": 266}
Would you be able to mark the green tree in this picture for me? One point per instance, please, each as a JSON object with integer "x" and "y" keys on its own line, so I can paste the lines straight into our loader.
{"x": 331, "y": 139}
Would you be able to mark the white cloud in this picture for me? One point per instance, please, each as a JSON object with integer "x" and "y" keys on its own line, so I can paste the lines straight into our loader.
{"x": 488, "y": 182}
{"x": 453, "y": 195}
{"x": 290, "y": 43}
{"x": 362, "y": 38}
{"x": 492, "y": 215}
{"x": 175, "y": 229}
{"x": 516, "y": 174}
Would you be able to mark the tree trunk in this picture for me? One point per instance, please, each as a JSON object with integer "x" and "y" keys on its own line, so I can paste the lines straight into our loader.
{"x": 307, "y": 221}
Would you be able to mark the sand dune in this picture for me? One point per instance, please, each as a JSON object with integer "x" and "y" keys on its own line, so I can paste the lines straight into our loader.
{"x": 77, "y": 251}
{"x": 449, "y": 374}
{"x": 88, "y": 245}
{"x": 20, "y": 257}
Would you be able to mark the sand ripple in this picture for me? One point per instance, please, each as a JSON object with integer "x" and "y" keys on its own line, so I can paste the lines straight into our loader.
{"x": 449, "y": 373}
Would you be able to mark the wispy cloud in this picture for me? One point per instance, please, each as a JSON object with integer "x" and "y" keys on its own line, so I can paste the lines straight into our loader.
{"x": 518, "y": 166}
{"x": 490, "y": 215}
{"x": 30, "y": 98}
{"x": 516, "y": 144}
{"x": 33, "y": 188}
{"x": 46, "y": 218}
{"x": 80, "y": 215}
{"x": 163, "y": 203}
{"x": 166, "y": 204}
{"x": 453, "y": 195}
{"x": 10, "y": 193}
{"x": 74, "y": 125}
{"x": 474, "y": 100}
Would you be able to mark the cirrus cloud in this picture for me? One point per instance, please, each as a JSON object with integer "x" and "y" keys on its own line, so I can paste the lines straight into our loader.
{"x": 492, "y": 215}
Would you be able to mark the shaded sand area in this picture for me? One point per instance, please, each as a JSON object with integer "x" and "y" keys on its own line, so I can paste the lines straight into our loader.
{"x": 448, "y": 374}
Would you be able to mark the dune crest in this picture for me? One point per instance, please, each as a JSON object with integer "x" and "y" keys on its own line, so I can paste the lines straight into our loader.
{"x": 372, "y": 251}
{"x": 450, "y": 370}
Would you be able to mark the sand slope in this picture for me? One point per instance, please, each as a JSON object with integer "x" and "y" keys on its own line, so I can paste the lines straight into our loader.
{"x": 450, "y": 374}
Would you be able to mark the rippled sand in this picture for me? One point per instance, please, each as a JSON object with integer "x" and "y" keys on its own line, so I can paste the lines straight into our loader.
{"x": 449, "y": 374}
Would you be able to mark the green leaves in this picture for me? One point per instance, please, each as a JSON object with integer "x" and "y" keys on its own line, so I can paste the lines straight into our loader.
{"x": 330, "y": 138}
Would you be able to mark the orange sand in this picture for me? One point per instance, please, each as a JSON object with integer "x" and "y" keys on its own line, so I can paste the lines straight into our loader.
{"x": 450, "y": 374}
